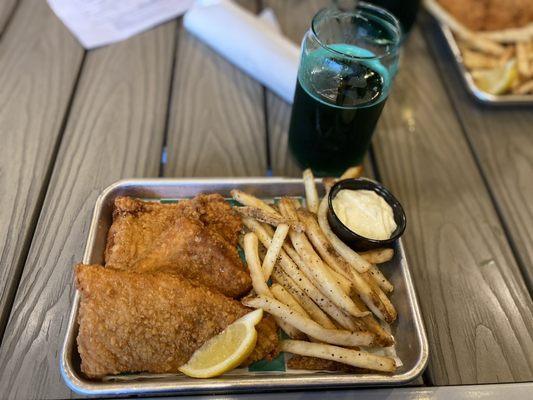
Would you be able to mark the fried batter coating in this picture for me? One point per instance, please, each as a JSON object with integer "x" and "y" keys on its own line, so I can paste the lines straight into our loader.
{"x": 488, "y": 15}
{"x": 131, "y": 322}
{"x": 195, "y": 238}
{"x": 190, "y": 249}
{"x": 138, "y": 224}
{"x": 267, "y": 341}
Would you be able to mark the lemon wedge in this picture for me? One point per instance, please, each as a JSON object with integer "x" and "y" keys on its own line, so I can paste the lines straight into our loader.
{"x": 226, "y": 350}
{"x": 497, "y": 80}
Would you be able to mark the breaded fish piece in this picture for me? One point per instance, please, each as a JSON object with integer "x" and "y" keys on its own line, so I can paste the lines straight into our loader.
{"x": 489, "y": 15}
{"x": 153, "y": 323}
{"x": 198, "y": 253}
{"x": 138, "y": 224}
{"x": 196, "y": 238}
{"x": 267, "y": 340}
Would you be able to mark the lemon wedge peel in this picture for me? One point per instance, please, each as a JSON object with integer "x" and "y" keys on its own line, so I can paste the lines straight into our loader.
{"x": 225, "y": 351}
{"x": 497, "y": 80}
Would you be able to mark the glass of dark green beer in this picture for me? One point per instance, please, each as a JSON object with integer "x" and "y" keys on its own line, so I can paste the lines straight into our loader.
{"x": 348, "y": 62}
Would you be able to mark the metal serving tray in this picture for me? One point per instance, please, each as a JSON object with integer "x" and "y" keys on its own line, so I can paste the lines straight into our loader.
{"x": 481, "y": 96}
{"x": 409, "y": 331}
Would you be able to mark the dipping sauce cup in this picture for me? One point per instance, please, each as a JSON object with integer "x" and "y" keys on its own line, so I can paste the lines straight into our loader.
{"x": 351, "y": 238}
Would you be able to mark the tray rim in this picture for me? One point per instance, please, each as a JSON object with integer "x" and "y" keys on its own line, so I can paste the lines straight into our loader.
{"x": 240, "y": 384}
{"x": 478, "y": 94}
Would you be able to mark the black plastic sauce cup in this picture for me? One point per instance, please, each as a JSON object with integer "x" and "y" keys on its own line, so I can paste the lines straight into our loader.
{"x": 352, "y": 239}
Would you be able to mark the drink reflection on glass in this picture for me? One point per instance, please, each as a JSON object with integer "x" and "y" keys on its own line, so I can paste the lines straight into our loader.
{"x": 348, "y": 62}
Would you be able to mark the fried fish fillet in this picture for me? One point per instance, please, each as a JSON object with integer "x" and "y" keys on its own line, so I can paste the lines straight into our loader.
{"x": 195, "y": 238}
{"x": 488, "y": 15}
{"x": 138, "y": 224}
{"x": 131, "y": 322}
{"x": 190, "y": 249}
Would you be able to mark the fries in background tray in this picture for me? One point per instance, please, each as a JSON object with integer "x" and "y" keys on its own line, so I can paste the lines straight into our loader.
{"x": 333, "y": 300}
{"x": 500, "y": 62}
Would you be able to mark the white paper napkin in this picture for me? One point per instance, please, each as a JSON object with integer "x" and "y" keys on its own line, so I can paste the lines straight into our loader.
{"x": 101, "y": 22}
{"x": 249, "y": 42}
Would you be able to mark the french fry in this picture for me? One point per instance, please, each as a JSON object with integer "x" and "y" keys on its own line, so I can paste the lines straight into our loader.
{"x": 290, "y": 330}
{"x": 286, "y": 298}
{"x": 375, "y": 274}
{"x": 314, "y": 267}
{"x": 369, "y": 294}
{"x": 378, "y": 256}
{"x": 522, "y": 60}
{"x": 341, "y": 280}
{"x": 389, "y": 312}
{"x": 352, "y": 172}
{"x": 507, "y": 55}
{"x": 251, "y": 254}
{"x": 354, "y": 259}
{"x": 327, "y": 308}
{"x": 307, "y": 325}
{"x": 474, "y": 40}
{"x": 312, "y": 310}
{"x": 383, "y": 338}
{"x": 260, "y": 287}
{"x": 510, "y": 35}
{"x": 252, "y": 201}
{"x": 524, "y": 88}
{"x": 273, "y": 251}
{"x": 311, "y": 195}
{"x": 356, "y": 358}
{"x": 474, "y": 59}
{"x": 268, "y": 217}
{"x": 292, "y": 270}
{"x": 286, "y": 245}
{"x": 328, "y": 183}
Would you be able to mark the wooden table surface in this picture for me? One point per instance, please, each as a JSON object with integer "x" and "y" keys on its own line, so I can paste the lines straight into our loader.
{"x": 73, "y": 121}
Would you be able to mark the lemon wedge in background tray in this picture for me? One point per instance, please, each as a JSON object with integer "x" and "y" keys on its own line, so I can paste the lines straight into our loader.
{"x": 225, "y": 351}
{"x": 497, "y": 80}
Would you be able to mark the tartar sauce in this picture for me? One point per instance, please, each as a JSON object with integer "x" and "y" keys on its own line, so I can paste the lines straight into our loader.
{"x": 365, "y": 213}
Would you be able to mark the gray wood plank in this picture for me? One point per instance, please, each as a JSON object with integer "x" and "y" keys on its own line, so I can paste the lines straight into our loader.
{"x": 39, "y": 64}
{"x": 115, "y": 130}
{"x": 475, "y": 305}
{"x": 216, "y": 123}
{"x": 6, "y": 11}
{"x": 294, "y": 18}
{"x": 502, "y": 140}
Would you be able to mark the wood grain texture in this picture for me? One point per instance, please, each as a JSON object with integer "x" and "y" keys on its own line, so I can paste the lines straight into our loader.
{"x": 39, "y": 63}
{"x": 115, "y": 130}
{"x": 216, "y": 122}
{"x": 6, "y": 11}
{"x": 477, "y": 311}
{"x": 294, "y": 18}
{"x": 502, "y": 140}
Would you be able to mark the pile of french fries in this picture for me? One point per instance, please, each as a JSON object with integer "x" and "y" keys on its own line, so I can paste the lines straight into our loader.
{"x": 330, "y": 301}
{"x": 482, "y": 51}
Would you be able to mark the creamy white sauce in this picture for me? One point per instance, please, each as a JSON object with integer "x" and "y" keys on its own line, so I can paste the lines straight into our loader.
{"x": 365, "y": 213}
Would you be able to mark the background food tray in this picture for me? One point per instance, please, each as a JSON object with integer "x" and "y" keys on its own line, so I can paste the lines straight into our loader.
{"x": 409, "y": 331}
{"x": 483, "y": 97}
